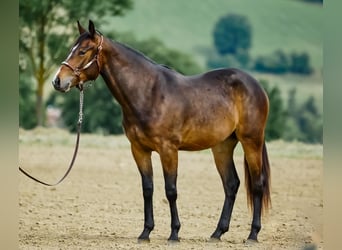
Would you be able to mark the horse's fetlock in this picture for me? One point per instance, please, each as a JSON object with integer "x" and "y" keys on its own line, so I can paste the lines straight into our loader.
{"x": 149, "y": 226}
{"x": 176, "y": 226}
{"x": 256, "y": 227}
{"x": 223, "y": 228}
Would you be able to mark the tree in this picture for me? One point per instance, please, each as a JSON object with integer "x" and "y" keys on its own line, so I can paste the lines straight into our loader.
{"x": 45, "y": 31}
{"x": 232, "y": 34}
{"x": 300, "y": 63}
{"x": 26, "y": 102}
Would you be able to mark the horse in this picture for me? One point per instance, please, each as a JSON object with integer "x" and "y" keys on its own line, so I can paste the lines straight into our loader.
{"x": 165, "y": 111}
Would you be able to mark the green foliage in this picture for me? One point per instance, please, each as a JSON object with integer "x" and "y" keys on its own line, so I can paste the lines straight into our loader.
{"x": 277, "y": 113}
{"x": 27, "y": 119}
{"x": 102, "y": 114}
{"x": 279, "y": 63}
{"x": 294, "y": 122}
{"x": 232, "y": 33}
{"x": 239, "y": 60}
{"x": 305, "y": 123}
{"x": 300, "y": 63}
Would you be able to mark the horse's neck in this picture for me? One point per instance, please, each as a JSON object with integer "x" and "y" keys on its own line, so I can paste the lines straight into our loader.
{"x": 129, "y": 76}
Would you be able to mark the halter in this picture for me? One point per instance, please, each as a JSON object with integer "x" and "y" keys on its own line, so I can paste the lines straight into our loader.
{"x": 77, "y": 70}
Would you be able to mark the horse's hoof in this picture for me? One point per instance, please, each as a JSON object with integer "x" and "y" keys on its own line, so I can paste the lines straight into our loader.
{"x": 142, "y": 241}
{"x": 250, "y": 242}
{"x": 214, "y": 240}
{"x": 173, "y": 241}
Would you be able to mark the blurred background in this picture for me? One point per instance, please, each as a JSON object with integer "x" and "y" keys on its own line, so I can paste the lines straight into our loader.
{"x": 279, "y": 42}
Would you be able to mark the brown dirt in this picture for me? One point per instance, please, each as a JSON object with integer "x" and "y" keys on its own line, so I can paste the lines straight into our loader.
{"x": 100, "y": 204}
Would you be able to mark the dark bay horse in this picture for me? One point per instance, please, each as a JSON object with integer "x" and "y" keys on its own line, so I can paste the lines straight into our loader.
{"x": 165, "y": 111}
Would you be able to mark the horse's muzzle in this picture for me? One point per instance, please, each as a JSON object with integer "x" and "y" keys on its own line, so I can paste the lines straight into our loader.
{"x": 56, "y": 82}
{"x": 58, "y": 86}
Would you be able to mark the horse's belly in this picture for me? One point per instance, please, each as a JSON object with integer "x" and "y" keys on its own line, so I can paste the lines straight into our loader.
{"x": 204, "y": 138}
{"x": 194, "y": 145}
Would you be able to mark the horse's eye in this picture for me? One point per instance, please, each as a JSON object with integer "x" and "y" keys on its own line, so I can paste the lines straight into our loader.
{"x": 82, "y": 52}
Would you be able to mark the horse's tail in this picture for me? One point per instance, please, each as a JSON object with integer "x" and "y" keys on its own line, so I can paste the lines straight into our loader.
{"x": 266, "y": 182}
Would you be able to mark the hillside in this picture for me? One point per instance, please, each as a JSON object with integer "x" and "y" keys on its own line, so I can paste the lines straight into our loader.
{"x": 187, "y": 25}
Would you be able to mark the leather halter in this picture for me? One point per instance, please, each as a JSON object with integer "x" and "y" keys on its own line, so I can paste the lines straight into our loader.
{"x": 77, "y": 70}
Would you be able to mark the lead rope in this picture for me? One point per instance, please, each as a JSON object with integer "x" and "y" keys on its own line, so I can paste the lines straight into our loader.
{"x": 79, "y": 123}
{"x": 80, "y": 114}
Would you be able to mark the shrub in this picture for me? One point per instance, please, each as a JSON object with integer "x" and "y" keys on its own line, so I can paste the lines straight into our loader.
{"x": 279, "y": 63}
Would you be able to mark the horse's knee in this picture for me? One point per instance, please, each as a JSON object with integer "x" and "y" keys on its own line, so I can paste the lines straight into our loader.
{"x": 231, "y": 187}
{"x": 148, "y": 191}
{"x": 147, "y": 186}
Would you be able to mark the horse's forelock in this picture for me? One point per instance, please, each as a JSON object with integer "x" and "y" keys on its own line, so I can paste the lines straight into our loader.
{"x": 81, "y": 38}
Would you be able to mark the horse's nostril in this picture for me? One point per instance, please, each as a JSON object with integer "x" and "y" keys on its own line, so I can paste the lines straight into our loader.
{"x": 56, "y": 82}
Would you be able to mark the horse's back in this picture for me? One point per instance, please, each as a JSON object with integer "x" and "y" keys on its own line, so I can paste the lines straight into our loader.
{"x": 233, "y": 78}
{"x": 235, "y": 81}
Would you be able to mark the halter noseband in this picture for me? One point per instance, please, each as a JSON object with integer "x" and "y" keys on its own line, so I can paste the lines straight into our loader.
{"x": 77, "y": 70}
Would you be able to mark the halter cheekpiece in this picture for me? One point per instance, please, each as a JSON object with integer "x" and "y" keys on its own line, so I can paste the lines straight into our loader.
{"x": 77, "y": 70}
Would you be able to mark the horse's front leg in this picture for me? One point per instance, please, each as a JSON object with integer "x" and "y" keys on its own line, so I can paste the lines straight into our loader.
{"x": 169, "y": 160}
{"x": 144, "y": 163}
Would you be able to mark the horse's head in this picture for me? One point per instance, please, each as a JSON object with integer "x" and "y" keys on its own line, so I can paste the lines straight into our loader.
{"x": 82, "y": 64}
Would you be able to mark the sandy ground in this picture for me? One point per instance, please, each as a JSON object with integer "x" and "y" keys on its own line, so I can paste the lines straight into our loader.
{"x": 100, "y": 204}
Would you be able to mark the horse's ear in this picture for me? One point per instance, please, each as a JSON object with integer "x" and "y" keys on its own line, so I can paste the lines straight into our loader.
{"x": 91, "y": 28}
{"x": 80, "y": 28}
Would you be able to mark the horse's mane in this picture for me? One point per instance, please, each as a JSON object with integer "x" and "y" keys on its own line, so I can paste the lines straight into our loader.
{"x": 140, "y": 54}
{"x": 136, "y": 52}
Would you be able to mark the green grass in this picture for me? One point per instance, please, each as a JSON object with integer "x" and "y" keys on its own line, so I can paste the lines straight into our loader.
{"x": 187, "y": 25}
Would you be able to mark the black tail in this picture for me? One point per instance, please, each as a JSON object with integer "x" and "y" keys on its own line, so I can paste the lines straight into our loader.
{"x": 266, "y": 173}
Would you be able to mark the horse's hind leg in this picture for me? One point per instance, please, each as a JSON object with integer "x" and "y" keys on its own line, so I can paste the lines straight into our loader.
{"x": 223, "y": 155}
{"x": 257, "y": 177}
{"x": 144, "y": 163}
